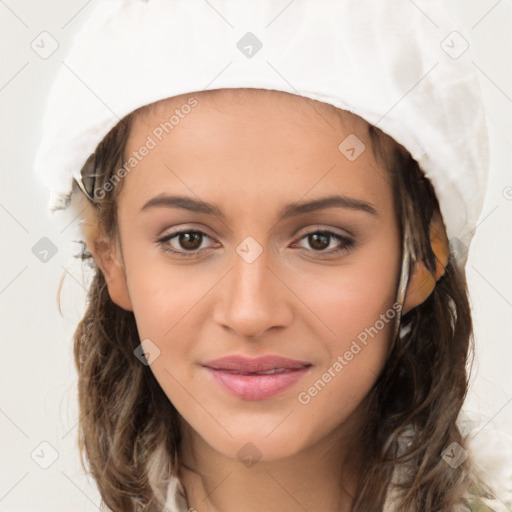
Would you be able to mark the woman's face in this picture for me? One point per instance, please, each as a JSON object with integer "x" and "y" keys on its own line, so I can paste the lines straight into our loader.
{"x": 244, "y": 280}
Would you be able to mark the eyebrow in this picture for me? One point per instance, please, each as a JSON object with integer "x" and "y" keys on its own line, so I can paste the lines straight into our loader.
{"x": 289, "y": 210}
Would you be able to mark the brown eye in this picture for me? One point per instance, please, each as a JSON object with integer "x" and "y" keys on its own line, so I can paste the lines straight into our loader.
{"x": 186, "y": 241}
{"x": 319, "y": 241}
{"x": 189, "y": 240}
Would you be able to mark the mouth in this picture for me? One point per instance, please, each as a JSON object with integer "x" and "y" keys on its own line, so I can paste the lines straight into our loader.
{"x": 266, "y": 372}
{"x": 256, "y": 379}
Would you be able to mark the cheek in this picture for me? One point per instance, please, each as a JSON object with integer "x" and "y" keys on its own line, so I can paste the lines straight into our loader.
{"x": 166, "y": 304}
{"x": 359, "y": 325}
{"x": 355, "y": 357}
{"x": 357, "y": 308}
{"x": 351, "y": 298}
{"x": 164, "y": 295}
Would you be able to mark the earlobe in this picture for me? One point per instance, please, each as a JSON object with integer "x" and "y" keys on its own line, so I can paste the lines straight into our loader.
{"x": 106, "y": 254}
{"x": 422, "y": 281}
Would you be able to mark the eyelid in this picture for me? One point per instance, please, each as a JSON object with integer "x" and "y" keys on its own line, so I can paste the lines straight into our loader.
{"x": 313, "y": 228}
{"x": 183, "y": 228}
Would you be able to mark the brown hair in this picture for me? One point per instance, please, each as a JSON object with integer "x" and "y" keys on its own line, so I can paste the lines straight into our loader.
{"x": 128, "y": 428}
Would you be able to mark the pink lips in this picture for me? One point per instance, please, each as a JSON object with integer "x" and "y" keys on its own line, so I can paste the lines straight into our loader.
{"x": 243, "y": 377}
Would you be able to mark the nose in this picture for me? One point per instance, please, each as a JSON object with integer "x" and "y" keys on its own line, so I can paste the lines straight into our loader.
{"x": 254, "y": 299}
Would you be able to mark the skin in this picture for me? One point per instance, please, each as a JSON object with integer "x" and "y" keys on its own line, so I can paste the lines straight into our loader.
{"x": 250, "y": 153}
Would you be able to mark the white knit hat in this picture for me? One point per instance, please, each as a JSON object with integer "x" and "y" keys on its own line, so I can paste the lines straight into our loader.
{"x": 402, "y": 66}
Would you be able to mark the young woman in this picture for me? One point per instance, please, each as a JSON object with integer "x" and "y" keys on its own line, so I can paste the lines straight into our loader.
{"x": 277, "y": 320}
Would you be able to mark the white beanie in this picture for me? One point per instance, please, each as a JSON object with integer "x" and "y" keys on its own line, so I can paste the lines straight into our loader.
{"x": 405, "y": 69}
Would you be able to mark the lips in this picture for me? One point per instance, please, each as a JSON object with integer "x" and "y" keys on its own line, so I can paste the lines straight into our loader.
{"x": 256, "y": 379}
{"x": 264, "y": 365}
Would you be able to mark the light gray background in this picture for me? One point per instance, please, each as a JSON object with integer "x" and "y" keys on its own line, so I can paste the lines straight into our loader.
{"x": 38, "y": 400}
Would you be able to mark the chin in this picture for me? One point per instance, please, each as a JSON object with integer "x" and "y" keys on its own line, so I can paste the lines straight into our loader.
{"x": 250, "y": 447}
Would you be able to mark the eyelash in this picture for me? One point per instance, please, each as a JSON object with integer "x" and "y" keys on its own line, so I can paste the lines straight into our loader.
{"x": 349, "y": 243}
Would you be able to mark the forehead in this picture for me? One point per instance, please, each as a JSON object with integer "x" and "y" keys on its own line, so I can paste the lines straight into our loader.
{"x": 220, "y": 100}
{"x": 275, "y": 144}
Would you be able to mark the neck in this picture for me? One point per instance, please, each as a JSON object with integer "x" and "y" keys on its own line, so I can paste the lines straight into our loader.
{"x": 323, "y": 476}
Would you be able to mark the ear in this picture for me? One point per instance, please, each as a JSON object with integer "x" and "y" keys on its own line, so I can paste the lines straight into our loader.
{"x": 107, "y": 255}
{"x": 422, "y": 282}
